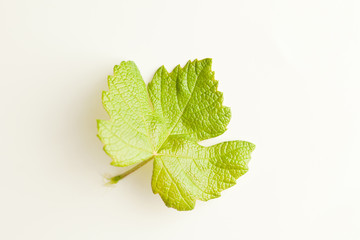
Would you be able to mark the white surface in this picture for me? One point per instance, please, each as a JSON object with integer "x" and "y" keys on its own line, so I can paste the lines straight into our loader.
{"x": 288, "y": 69}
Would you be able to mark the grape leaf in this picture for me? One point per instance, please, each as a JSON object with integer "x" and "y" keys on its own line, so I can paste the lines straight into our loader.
{"x": 164, "y": 123}
{"x": 127, "y": 135}
{"x": 185, "y": 171}
{"x": 188, "y": 100}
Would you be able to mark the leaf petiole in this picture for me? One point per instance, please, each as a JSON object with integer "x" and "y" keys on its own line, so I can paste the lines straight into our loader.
{"x": 116, "y": 179}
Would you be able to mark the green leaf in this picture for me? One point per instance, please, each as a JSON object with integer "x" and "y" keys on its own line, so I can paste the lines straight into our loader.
{"x": 165, "y": 122}
{"x": 186, "y": 171}
{"x": 188, "y": 100}
{"x": 126, "y": 136}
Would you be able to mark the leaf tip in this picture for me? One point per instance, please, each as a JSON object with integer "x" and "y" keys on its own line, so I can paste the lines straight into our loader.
{"x": 252, "y": 146}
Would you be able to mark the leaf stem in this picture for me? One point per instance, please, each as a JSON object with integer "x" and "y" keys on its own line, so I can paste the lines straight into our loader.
{"x": 117, "y": 178}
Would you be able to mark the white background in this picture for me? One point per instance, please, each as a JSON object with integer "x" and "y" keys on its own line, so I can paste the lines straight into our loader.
{"x": 289, "y": 71}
